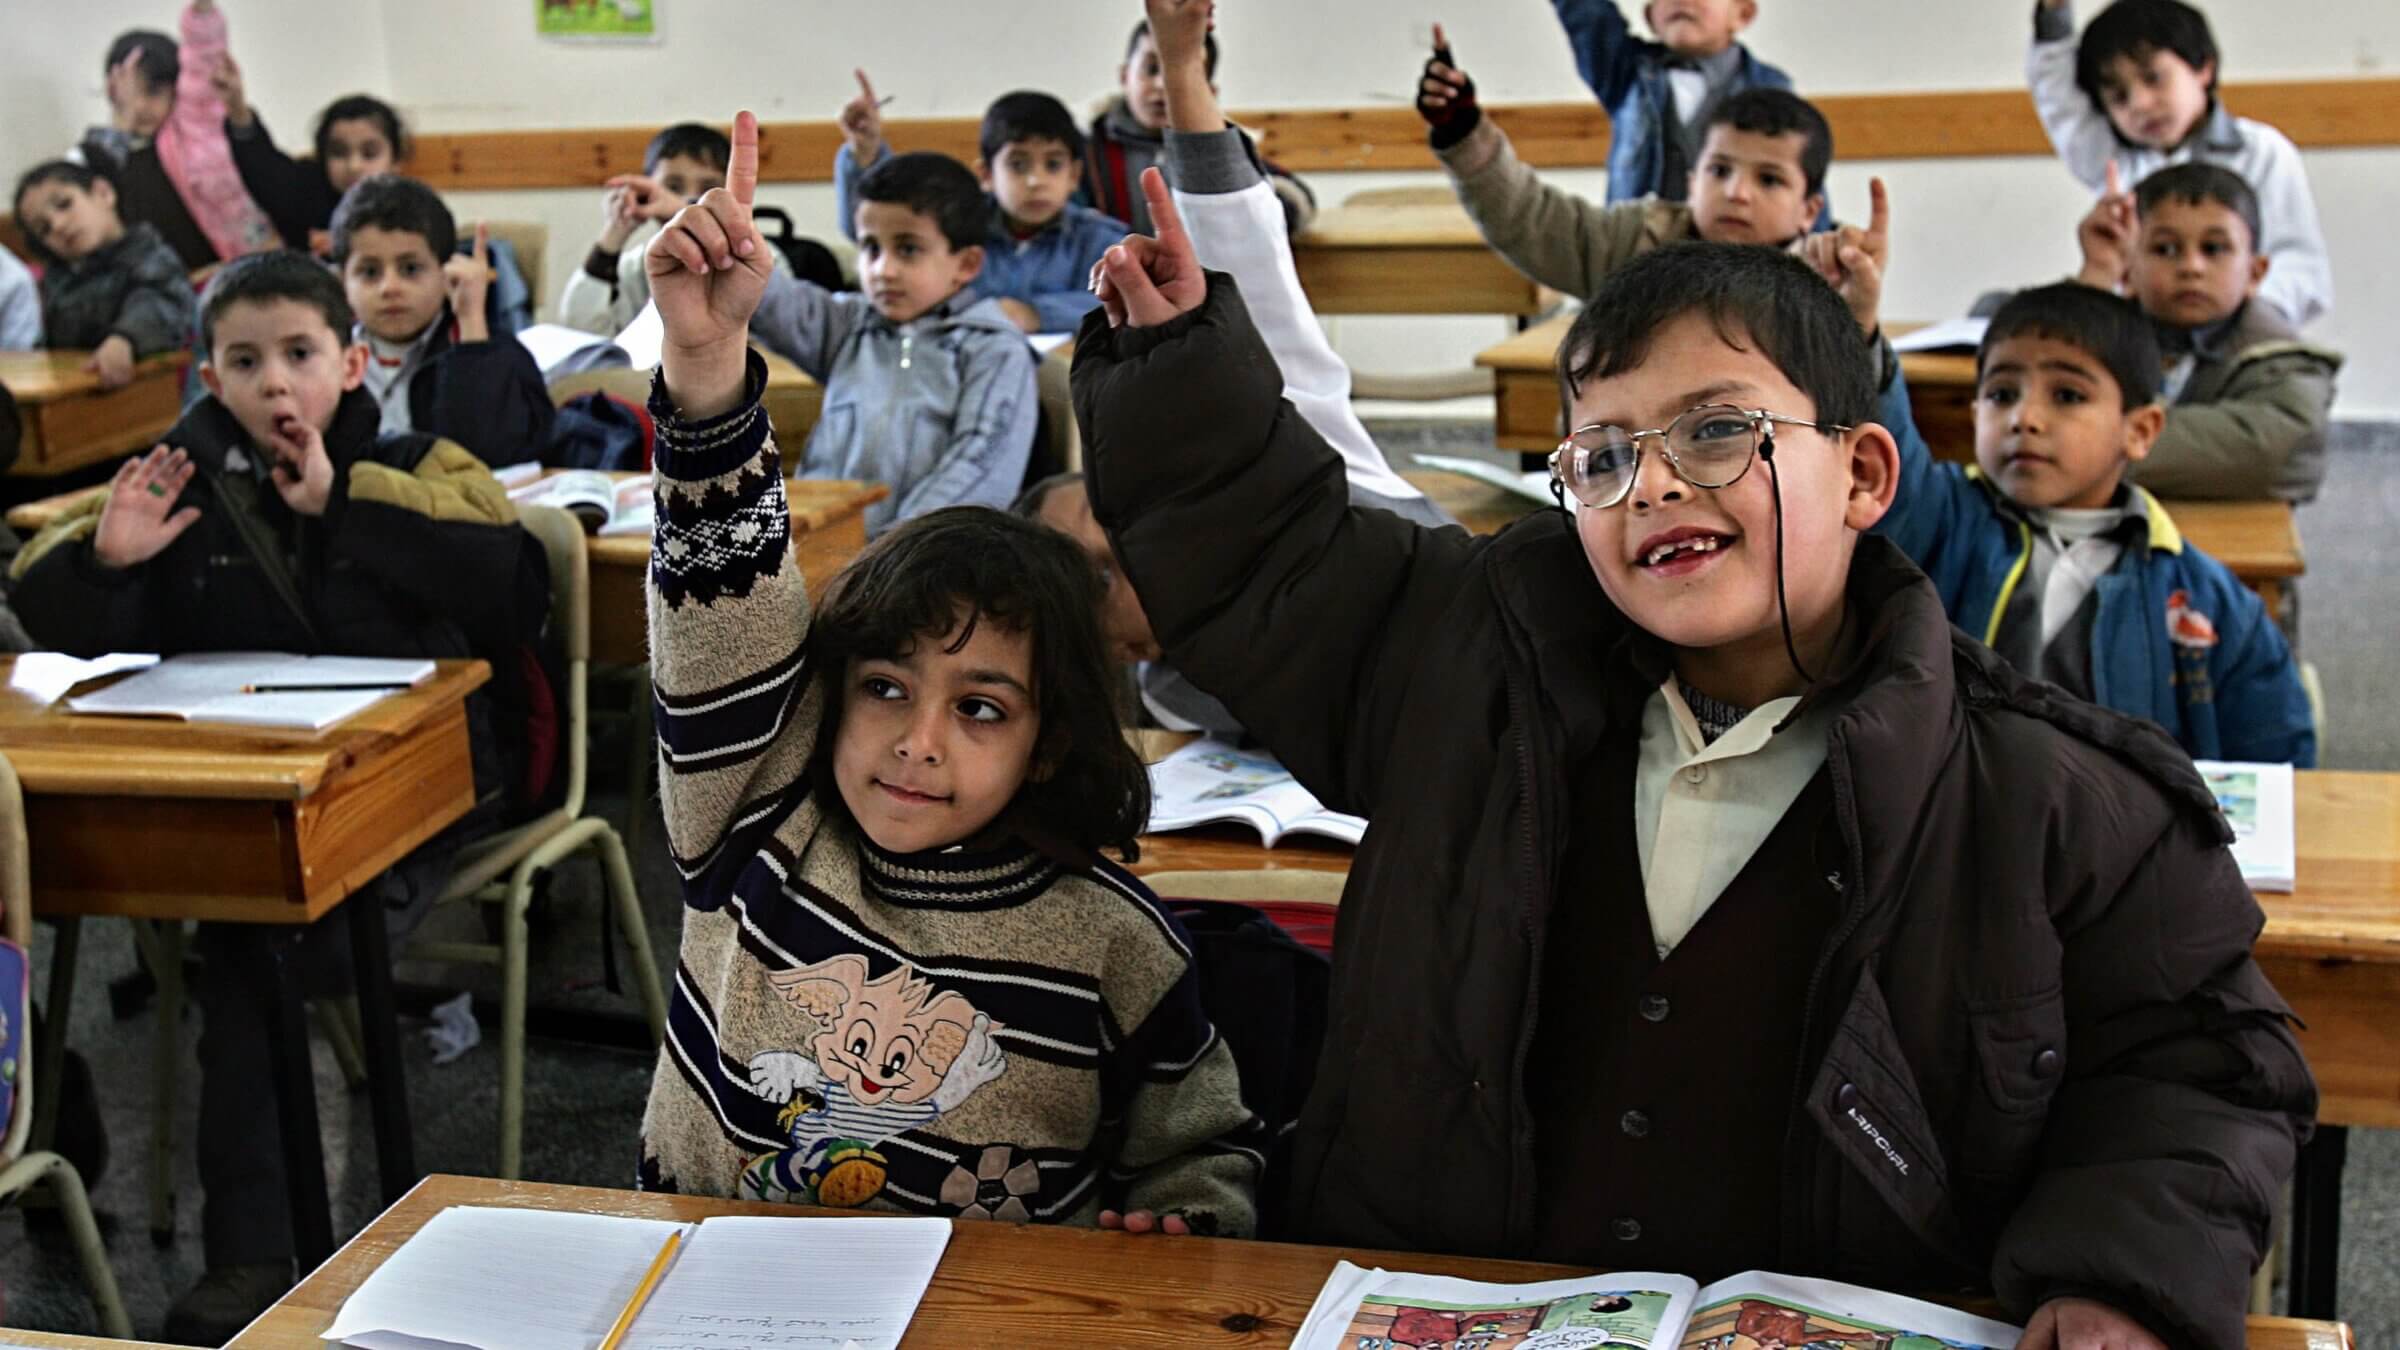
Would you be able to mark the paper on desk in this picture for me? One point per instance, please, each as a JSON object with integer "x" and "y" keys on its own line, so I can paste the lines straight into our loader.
{"x": 865, "y": 1279}
{"x": 1046, "y": 343}
{"x": 644, "y": 338}
{"x": 1535, "y": 484}
{"x": 559, "y": 350}
{"x": 47, "y": 676}
{"x": 2258, "y": 803}
{"x": 1947, "y": 335}
{"x": 207, "y": 687}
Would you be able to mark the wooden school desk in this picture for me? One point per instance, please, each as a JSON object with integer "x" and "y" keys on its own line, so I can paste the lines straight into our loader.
{"x": 70, "y": 421}
{"x": 157, "y": 819}
{"x": 48, "y": 1340}
{"x": 1407, "y": 260}
{"x": 1009, "y": 1285}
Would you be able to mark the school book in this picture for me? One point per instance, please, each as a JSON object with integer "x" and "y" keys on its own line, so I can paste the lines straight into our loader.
{"x": 258, "y": 689}
{"x": 1209, "y": 782}
{"x": 531, "y": 1279}
{"x": 1949, "y": 335}
{"x": 2257, "y": 802}
{"x": 1391, "y": 1310}
{"x": 605, "y": 505}
{"x": 558, "y": 350}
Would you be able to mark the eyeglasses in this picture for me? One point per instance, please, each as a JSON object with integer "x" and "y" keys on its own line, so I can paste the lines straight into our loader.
{"x": 1710, "y": 446}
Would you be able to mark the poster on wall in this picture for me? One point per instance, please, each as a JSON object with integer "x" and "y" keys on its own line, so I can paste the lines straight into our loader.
{"x": 597, "y": 20}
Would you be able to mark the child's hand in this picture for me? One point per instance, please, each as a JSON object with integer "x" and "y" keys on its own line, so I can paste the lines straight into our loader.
{"x": 645, "y": 197}
{"x": 1021, "y": 314}
{"x": 320, "y": 243}
{"x": 124, "y": 82}
{"x": 135, "y": 522}
{"x": 1146, "y": 281}
{"x": 112, "y": 361}
{"x": 226, "y": 79}
{"x": 1445, "y": 94}
{"x": 1143, "y": 1221}
{"x": 862, "y": 122}
{"x": 707, "y": 269}
{"x": 468, "y": 280}
{"x": 1179, "y": 29}
{"x": 2107, "y": 234}
{"x": 302, "y": 471}
{"x": 619, "y": 218}
{"x": 1852, "y": 260}
{"x": 2082, "y": 1324}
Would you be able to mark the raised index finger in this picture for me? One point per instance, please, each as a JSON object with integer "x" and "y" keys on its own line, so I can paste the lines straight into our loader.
{"x": 741, "y": 172}
{"x": 1166, "y": 222}
{"x": 863, "y": 86}
{"x": 1879, "y": 209}
{"x": 483, "y": 242}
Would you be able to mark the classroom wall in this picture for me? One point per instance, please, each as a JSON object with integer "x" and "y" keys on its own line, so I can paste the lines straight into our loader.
{"x": 1961, "y": 226}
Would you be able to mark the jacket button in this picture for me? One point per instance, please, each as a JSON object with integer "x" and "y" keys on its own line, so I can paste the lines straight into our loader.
{"x": 1626, "y": 1230}
{"x": 1847, "y": 1097}
{"x": 1654, "y": 1007}
{"x": 1634, "y": 1123}
{"x": 2045, "y": 1064}
{"x": 1697, "y": 773}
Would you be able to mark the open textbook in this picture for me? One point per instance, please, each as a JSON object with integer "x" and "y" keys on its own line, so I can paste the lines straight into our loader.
{"x": 531, "y": 1279}
{"x": 1391, "y": 1310}
{"x": 605, "y": 504}
{"x": 258, "y": 689}
{"x": 2257, "y": 802}
{"x": 1210, "y": 782}
{"x": 1534, "y": 485}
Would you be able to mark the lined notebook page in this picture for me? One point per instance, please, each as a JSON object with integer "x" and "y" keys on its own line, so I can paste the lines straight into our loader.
{"x": 796, "y": 1283}
{"x": 525, "y": 1279}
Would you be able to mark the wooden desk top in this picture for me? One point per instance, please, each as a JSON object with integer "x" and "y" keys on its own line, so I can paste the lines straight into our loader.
{"x": 1416, "y": 226}
{"x": 2254, "y": 539}
{"x": 1005, "y": 1285}
{"x": 1533, "y": 351}
{"x": 49, "y": 1340}
{"x": 43, "y": 377}
{"x": 59, "y": 753}
{"x": 782, "y": 374}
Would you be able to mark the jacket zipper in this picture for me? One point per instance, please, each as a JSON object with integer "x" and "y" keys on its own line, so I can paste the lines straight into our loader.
{"x": 1854, "y": 913}
{"x": 1521, "y": 1136}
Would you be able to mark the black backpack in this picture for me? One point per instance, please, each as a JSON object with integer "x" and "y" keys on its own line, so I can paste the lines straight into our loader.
{"x": 810, "y": 260}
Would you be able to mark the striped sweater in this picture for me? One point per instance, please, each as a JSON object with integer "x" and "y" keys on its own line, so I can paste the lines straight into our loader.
{"x": 990, "y": 1034}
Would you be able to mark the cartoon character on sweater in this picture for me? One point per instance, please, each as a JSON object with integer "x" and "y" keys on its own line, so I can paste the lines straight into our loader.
{"x": 888, "y": 1055}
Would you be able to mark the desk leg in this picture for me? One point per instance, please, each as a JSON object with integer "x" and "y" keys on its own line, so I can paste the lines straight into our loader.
{"x": 2317, "y": 1222}
{"x": 379, "y": 1034}
{"x": 50, "y": 1056}
{"x": 296, "y": 1114}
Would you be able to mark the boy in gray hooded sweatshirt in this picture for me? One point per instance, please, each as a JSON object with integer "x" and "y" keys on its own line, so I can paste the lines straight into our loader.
{"x": 926, "y": 389}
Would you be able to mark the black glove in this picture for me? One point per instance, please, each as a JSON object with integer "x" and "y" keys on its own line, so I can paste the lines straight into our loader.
{"x": 1451, "y": 122}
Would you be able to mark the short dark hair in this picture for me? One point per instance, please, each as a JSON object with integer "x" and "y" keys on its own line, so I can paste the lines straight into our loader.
{"x": 692, "y": 140}
{"x": 1779, "y": 112}
{"x": 1142, "y": 30}
{"x": 911, "y": 586}
{"x": 363, "y": 108}
{"x": 1758, "y": 298}
{"x": 2199, "y": 184}
{"x": 83, "y": 176}
{"x": 1027, "y": 116}
{"x": 257, "y": 278}
{"x": 389, "y": 201}
{"x": 933, "y": 185}
{"x": 162, "y": 60}
{"x": 2135, "y": 28}
{"x": 2109, "y": 327}
{"x": 1029, "y": 503}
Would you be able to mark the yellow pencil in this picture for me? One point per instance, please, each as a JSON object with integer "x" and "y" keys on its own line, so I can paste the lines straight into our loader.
{"x": 641, "y": 1294}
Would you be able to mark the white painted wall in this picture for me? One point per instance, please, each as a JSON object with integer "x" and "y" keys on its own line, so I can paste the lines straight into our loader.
{"x": 1961, "y": 226}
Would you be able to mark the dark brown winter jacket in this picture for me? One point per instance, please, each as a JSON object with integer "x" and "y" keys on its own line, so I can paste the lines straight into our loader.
{"x": 2039, "y": 996}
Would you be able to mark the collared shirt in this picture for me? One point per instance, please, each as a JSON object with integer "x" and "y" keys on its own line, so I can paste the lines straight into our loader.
{"x": 2045, "y": 630}
{"x": 1694, "y": 84}
{"x": 2185, "y": 348}
{"x": 391, "y": 368}
{"x": 1702, "y": 808}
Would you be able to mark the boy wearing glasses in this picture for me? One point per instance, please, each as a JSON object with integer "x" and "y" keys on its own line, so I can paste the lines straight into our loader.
{"x": 1722, "y": 908}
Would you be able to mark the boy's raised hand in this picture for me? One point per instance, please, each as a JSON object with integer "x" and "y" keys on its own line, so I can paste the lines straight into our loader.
{"x": 1445, "y": 94}
{"x": 1179, "y": 29}
{"x": 2106, "y": 235}
{"x": 302, "y": 472}
{"x": 139, "y": 518}
{"x": 862, "y": 122}
{"x": 226, "y": 79}
{"x": 468, "y": 280}
{"x": 644, "y": 198}
{"x": 707, "y": 269}
{"x": 1147, "y": 280}
{"x": 1852, "y": 260}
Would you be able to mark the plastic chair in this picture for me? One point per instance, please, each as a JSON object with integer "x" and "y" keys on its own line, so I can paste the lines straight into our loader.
{"x": 503, "y": 867}
{"x": 530, "y": 239}
{"x": 19, "y": 1169}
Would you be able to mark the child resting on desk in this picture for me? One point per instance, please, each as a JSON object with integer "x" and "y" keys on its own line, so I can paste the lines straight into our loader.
{"x": 908, "y": 979}
{"x": 433, "y": 362}
{"x": 284, "y": 520}
{"x": 1759, "y": 179}
{"x": 1722, "y": 907}
{"x": 2138, "y": 93}
{"x": 114, "y": 288}
{"x": 2247, "y": 398}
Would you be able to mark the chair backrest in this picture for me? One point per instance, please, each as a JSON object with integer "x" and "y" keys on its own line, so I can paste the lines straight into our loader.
{"x": 531, "y": 239}
{"x": 561, "y": 537}
{"x": 633, "y": 386}
{"x": 16, "y": 925}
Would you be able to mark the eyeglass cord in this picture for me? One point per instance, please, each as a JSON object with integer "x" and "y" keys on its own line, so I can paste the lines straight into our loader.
{"x": 1783, "y": 608}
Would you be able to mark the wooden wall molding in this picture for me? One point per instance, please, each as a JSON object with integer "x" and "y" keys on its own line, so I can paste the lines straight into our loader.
{"x": 1935, "y": 125}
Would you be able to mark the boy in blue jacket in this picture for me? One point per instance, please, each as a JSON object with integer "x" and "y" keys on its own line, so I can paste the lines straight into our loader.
{"x": 2047, "y": 554}
{"x": 1658, "y": 94}
{"x": 1039, "y": 247}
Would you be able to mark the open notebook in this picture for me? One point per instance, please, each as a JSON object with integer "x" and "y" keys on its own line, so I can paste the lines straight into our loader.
{"x": 1210, "y": 782}
{"x": 603, "y": 505}
{"x": 256, "y": 689}
{"x": 1632, "y": 1310}
{"x": 532, "y": 1279}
